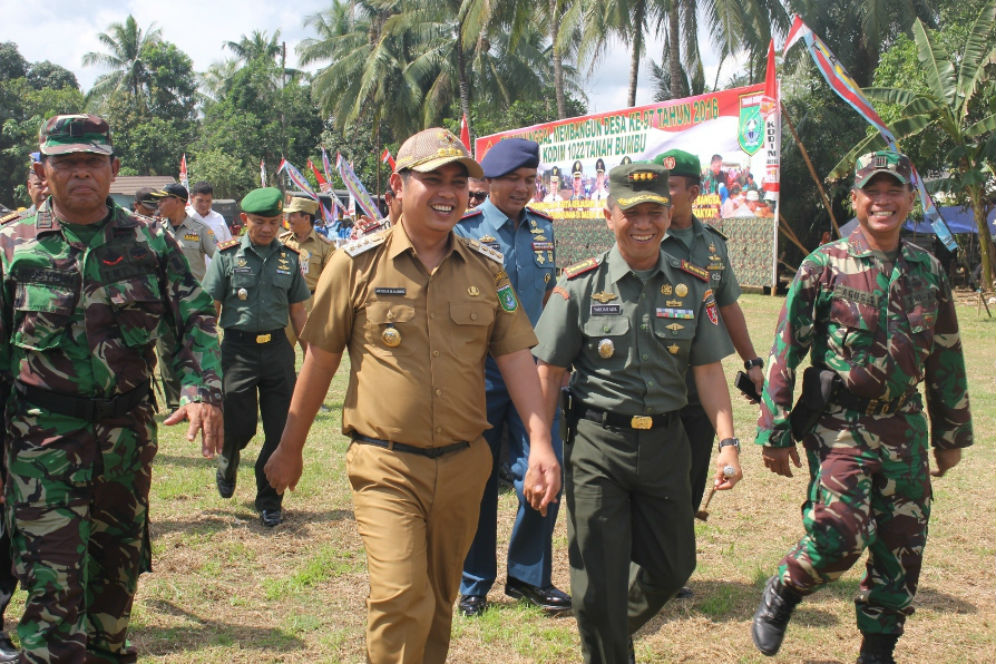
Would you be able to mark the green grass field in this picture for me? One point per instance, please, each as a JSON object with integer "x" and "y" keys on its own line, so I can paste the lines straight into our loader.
{"x": 225, "y": 590}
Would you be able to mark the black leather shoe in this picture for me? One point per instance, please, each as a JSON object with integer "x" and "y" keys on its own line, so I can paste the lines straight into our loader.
{"x": 772, "y": 616}
{"x": 685, "y": 593}
{"x": 225, "y": 488}
{"x": 472, "y": 605}
{"x": 271, "y": 518}
{"x": 8, "y": 652}
{"x": 550, "y": 599}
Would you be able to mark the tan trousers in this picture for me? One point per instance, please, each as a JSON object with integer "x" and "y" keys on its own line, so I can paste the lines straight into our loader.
{"x": 417, "y": 517}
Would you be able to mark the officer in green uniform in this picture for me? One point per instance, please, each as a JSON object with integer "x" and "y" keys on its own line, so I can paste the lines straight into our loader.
{"x": 257, "y": 285}
{"x": 631, "y": 322}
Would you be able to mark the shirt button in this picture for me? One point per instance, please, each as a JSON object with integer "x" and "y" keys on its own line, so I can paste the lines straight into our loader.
{"x": 439, "y": 429}
{"x": 473, "y": 317}
{"x": 644, "y": 357}
{"x": 439, "y": 392}
{"x": 650, "y": 382}
{"x": 435, "y": 353}
{"x": 432, "y": 316}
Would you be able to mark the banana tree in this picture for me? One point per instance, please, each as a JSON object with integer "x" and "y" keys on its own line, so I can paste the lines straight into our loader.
{"x": 960, "y": 103}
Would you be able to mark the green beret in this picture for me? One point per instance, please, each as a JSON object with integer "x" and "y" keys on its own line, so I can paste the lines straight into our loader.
{"x": 679, "y": 162}
{"x": 265, "y": 202}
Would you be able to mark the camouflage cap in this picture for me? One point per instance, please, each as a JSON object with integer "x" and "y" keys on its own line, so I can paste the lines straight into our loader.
{"x": 264, "y": 202}
{"x": 632, "y": 184}
{"x": 432, "y": 148}
{"x": 65, "y": 134}
{"x": 301, "y": 204}
{"x": 679, "y": 162}
{"x": 883, "y": 161}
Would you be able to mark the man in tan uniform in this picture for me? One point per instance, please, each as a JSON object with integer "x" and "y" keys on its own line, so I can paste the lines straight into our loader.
{"x": 418, "y": 308}
{"x": 315, "y": 249}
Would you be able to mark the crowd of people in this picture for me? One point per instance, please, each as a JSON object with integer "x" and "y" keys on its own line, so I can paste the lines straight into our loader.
{"x": 603, "y": 379}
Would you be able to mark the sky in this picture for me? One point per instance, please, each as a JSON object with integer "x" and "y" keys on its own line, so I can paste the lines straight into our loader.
{"x": 63, "y": 30}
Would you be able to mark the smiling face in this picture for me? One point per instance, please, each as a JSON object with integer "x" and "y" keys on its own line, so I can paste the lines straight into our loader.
{"x": 79, "y": 183}
{"x": 639, "y": 231}
{"x": 881, "y": 207}
{"x": 433, "y": 201}
{"x": 512, "y": 191}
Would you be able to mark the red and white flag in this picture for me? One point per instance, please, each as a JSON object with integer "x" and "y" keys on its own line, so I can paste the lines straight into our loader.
{"x": 465, "y": 132}
{"x": 183, "y": 172}
{"x": 798, "y": 31}
{"x": 262, "y": 173}
{"x": 387, "y": 158}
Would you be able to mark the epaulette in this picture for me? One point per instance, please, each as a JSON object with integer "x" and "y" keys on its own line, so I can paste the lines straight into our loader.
{"x": 587, "y": 265}
{"x": 471, "y": 213}
{"x": 485, "y": 250}
{"x": 539, "y": 213}
{"x": 228, "y": 244}
{"x": 365, "y": 243}
{"x": 11, "y": 217}
{"x": 291, "y": 249}
{"x": 322, "y": 238}
{"x": 714, "y": 230}
{"x": 286, "y": 233}
{"x": 694, "y": 270}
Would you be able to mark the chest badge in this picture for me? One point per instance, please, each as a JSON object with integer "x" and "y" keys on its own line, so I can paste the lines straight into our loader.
{"x": 391, "y": 337}
{"x": 606, "y": 349}
{"x": 673, "y": 349}
{"x": 603, "y": 297}
{"x": 241, "y": 261}
{"x": 681, "y": 290}
{"x": 473, "y": 291}
{"x": 667, "y": 289}
{"x": 242, "y": 294}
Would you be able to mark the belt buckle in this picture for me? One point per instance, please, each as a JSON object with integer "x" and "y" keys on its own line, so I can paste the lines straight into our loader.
{"x": 263, "y": 338}
{"x": 644, "y": 422}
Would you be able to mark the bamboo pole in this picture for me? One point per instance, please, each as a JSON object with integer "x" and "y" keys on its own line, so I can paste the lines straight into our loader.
{"x": 812, "y": 171}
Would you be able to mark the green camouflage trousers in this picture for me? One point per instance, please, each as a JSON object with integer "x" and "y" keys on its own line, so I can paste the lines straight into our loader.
{"x": 865, "y": 493}
{"x": 78, "y": 495}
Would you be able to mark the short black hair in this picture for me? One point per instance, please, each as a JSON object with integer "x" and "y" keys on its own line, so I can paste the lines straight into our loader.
{"x": 202, "y": 187}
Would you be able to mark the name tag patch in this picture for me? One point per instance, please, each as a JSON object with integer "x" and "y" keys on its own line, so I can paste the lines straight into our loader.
{"x": 606, "y": 309}
{"x": 390, "y": 291}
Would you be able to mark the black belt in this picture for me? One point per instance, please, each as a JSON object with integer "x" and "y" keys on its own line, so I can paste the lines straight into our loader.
{"x": 640, "y": 422}
{"x": 431, "y": 452}
{"x": 254, "y": 337}
{"x": 85, "y": 408}
{"x": 852, "y": 401}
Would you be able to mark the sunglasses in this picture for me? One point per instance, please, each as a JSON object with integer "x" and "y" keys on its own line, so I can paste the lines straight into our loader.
{"x": 478, "y": 195}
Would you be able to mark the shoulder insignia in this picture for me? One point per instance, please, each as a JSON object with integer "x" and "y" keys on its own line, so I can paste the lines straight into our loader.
{"x": 587, "y": 265}
{"x": 471, "y": 213}
{"x": 365, "y": 243}
{"x": 539, "y": 213}
{"x": 561, "y": 292}
{"x": 713, "y": 229}
{"x": 10, "y": 217}
{"x": 228, "y": 244}
{"x": 485, "y": 250}
{"x": 694, "y": 270}
{"x": 291, "y": 249}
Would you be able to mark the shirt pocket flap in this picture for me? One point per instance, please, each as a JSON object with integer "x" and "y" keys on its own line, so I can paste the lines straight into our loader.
{"x": 606, "y": 326}
{"x": 382, "y": 313}
{"x": 471, "y": 313}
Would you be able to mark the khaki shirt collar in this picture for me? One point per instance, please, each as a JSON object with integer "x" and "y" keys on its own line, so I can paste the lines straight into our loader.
{"x": 399, "y": 243}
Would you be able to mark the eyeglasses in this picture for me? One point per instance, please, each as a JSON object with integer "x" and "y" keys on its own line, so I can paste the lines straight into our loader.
{"x": 478, "y": 195}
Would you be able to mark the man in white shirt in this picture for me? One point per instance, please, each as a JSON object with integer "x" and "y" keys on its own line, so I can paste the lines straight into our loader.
{"x": 201, "y": 198}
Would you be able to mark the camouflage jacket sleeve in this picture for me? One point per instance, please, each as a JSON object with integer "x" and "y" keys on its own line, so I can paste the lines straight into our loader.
{"x": 793, "y": 338}
{"x": 197, "y": 360}
{"x": 945, "y": 380}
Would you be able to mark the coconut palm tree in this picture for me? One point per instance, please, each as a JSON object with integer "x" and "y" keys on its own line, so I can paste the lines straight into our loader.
{"x": 124, "y": 42}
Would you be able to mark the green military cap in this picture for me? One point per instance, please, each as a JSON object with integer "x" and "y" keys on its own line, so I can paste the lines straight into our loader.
{"x": 432, "y": 148}
{"x": 301, "y": 204}
{"x": 265, "y": 202}
{"x": 65, "y": 134}
{"x": 679, "y": 162}
{"x": 883, "y": 161}
{"x": 632, "y": 184}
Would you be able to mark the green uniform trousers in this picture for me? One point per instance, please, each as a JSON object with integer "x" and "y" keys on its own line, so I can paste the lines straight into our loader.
{"x": 630, "y": 530}
{"x": 255, "y": 374}
{"x": 166, "y": 346}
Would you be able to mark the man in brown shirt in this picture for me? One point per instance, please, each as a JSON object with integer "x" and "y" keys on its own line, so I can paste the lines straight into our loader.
{"x": 314, "y": 248}
{"x": 418, "y": 308}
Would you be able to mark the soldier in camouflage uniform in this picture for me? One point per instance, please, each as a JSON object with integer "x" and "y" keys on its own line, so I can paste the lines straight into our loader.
{"x": 877, "y": 314}
{"x": 84, "y": 286}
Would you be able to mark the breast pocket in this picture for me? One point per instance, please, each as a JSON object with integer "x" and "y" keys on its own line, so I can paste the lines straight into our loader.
{"x": 472, "y": 322}
{"x": 43, "y": 315}
{"x": 676, "y": 335}
{"x": 853, "y": 327}
{"x": 138, "y": 308}
{"x": 381, "y": 317}
{"x": 607, "y": 340}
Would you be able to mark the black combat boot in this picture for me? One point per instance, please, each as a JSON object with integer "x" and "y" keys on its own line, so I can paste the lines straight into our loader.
{"x": 877, "y": 649}
{"x": 772, "y": 615}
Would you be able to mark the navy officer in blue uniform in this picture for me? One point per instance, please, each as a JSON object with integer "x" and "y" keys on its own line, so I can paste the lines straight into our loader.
{"x": 525, "y": 239}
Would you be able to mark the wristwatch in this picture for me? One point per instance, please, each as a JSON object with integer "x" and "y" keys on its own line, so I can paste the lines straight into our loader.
{"x": 756, "y": 362}
{"x": 726, "y": 442}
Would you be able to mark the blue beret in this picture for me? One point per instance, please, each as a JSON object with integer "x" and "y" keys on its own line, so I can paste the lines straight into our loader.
{"x": 508, "y": 155}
